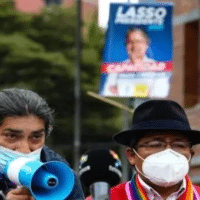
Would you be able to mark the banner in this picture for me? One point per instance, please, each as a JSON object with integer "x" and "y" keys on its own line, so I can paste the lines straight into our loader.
{"x": 138, "y": 50}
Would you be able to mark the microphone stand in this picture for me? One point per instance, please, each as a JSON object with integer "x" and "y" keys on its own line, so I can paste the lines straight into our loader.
{"x": 100, "y": 191}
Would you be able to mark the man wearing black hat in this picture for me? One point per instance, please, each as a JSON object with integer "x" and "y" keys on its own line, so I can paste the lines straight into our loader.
{"x": 159, "y": 147}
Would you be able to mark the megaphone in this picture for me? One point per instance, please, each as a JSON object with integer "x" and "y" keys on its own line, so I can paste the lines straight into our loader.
{"x": 51, "y": 180}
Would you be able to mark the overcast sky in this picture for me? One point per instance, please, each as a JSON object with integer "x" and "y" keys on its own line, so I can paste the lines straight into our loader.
{"x": 104, "y": 10}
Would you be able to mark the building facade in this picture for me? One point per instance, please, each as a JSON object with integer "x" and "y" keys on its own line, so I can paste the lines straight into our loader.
{"x": 185, "y": 83}
{"x": 89, "y": 7}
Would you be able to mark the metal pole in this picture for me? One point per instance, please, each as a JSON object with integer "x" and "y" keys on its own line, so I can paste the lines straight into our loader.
{"x": 125, "y": 163}
{"x": 199, "y": 51}
{"x": 77, "y": 91}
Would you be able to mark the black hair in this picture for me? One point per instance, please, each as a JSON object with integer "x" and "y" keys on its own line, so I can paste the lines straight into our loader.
{"x": 22, "y": 102}
{"x": 134, "y": 29}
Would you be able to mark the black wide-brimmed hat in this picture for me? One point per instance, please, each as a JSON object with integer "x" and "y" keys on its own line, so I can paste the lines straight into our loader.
{"x": 161, "y": 116}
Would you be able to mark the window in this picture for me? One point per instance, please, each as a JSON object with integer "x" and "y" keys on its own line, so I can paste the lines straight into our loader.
{"x": 51, "y": 2}
{"x": 191, "y": 76}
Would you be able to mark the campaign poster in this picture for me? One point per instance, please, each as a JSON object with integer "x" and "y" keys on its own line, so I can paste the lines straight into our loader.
{"x": 138, "y": 51}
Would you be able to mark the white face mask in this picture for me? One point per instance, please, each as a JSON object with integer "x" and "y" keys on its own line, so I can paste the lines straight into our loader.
{"x": 7, "y": 155}
{"x": 165, "y": 168}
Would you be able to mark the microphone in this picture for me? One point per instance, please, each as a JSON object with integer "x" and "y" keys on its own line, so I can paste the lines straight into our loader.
{"x": 99, "y": 170}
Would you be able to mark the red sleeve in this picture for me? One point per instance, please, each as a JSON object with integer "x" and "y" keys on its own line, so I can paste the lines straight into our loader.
{"x": 197, "y": 188}
{"x": 118, "y": 192}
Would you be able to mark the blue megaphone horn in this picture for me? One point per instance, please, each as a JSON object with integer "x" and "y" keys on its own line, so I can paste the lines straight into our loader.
{"x": 51, "y": 180}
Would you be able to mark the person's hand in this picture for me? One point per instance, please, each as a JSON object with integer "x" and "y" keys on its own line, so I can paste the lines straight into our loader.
{"x": 20, "y": 193}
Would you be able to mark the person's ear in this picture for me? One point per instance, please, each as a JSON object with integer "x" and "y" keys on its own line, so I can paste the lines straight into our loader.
{"x": 130, "y": 154}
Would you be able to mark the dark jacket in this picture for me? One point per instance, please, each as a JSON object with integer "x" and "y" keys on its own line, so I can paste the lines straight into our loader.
{"x": 48, "y": 155}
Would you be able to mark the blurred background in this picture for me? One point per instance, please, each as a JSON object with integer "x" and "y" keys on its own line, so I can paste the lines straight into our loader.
{"x": 38, "y": 51}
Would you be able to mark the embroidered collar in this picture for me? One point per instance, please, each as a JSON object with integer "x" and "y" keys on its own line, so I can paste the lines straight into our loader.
{"x": 135, "y": 191}
{"x": 151, "y": 192}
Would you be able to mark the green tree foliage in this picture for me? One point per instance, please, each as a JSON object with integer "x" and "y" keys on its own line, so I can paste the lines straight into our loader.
{"x": 38, "y": 52}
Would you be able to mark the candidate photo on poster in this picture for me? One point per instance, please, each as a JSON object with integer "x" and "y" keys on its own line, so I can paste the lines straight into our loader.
{"x": 137, "y": 43}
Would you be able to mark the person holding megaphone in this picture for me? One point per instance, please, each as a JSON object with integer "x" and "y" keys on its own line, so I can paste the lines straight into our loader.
{"x": 29, "y": 169}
